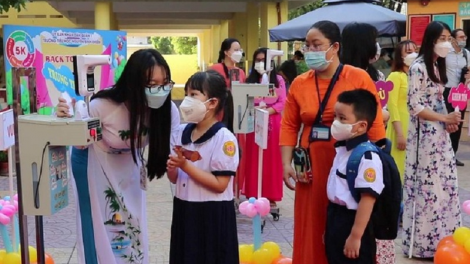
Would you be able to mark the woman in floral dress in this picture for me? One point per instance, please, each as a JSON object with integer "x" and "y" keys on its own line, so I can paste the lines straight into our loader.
{"x": 431, "y": 198}
{"x": 110, "y": 175}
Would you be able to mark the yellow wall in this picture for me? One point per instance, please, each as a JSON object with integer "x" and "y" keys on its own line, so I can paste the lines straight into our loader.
{"x": 36, "y": 14}
{"x": 436, "y": 7}
{"x": 182, "y": 67}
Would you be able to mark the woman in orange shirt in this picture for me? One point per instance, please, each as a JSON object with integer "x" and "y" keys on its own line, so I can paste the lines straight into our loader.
{"x": 230, "y": 54}
{"x": 321, "y": 52}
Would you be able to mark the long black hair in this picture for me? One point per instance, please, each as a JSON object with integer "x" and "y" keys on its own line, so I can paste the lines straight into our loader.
{"x": 156, "y": 123}
{"x": 432, "y": 33}
{"x": 254, "y": 76}
{"x": 289, "y": 69}
{"x": 225, "y": 46}
{"x": 213, "y": 85}
{"x": 359, "y": 47}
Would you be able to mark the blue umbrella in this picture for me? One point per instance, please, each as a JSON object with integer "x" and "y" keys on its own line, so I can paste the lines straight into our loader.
{"x": 343, "y": 12}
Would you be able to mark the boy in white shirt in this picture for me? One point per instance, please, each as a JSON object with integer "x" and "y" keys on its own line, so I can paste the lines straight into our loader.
{"x": 349, "y": 236}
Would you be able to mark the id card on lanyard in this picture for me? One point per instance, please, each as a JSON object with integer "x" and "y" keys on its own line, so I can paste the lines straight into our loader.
{"x": 319, "y": 131}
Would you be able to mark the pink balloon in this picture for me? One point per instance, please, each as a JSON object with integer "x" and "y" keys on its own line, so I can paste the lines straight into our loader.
{"x": 8, "y": 212}
{"x": 15, "y": 203}
{"x": 251, "y": 210}
{"x": 262, "y": 207}
{"x": 15, "y": 197}
{"x": 466, "y": 209}
{"x": 2, "y": 202}
{"x": 264, "y": 200}
{"x": 242, "y": 207}
{"x": 4, "y": 220}
{"x": 9, "y": 206}
{"x": 465, "y": 203}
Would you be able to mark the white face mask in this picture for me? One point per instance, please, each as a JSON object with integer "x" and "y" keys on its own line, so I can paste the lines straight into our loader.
{"x": 341, "y": 131}
{"x": 156, "y": 95}
{"x": 259, "y": 67}
{"x": 193, "y": 110}
{"x": 410, "y": 58}
{"x": 236, "y": 56}
{"x": 377, "y": 54}
{"x": 462, "y": 44}
{"x": 442, "y": 48}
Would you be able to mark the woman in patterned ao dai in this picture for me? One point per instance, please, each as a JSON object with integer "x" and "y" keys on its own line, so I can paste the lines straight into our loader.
{"x": 430, "y": 193}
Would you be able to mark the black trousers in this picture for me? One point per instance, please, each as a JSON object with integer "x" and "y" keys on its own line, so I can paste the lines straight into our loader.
{"x": 454, "y": 137}
{"x": 339, "y": 222}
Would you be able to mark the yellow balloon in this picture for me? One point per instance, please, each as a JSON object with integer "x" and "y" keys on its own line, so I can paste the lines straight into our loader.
{"x": 262, "y": 256}
{"x": 273, "y": 249}
{"x": 33, "y": 254}
{"x": 246, "y": 253}
{"x": 12, "y": 258}
{"x": 461, "y": 235}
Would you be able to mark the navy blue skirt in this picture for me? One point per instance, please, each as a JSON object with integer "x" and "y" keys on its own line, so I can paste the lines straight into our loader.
{"x": 204, "y": 233}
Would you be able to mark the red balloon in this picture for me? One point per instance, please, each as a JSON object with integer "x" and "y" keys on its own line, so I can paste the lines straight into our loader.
{"x": 446, "y": 241}
{"x": 451, "y": 254}
{"x": 284, "y": 261}
{"x": 50, "y": 260}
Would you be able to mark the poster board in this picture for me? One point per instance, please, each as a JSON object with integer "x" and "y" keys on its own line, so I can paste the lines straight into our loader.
{"x": 416, "y": 26}
{"x": 449, "y": 19}
{"x": 50, "y": 50}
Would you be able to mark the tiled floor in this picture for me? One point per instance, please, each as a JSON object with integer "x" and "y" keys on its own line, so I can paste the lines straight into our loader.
{"x": 60, "y": 235}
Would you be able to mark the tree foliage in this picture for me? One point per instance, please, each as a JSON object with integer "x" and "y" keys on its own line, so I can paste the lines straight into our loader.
{"x": 5, "y": 5}
{"x": 175, "y": 45}
{"x": 184, "y": 45}
{"x": 394, "y": 5}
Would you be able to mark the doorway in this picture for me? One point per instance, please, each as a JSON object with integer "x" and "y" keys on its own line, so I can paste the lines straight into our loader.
{"x": 466, "y": 29}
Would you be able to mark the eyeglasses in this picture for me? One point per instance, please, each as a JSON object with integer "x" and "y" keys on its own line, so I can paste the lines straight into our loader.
{"x": 306, "y": 48}
{"x": 153, "y": 89}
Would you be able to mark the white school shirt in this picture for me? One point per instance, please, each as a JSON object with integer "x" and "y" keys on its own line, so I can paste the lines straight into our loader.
{"x": 455, "y": 61}
{"x": 218, "y": 150}
{"x": 369, "y": 177}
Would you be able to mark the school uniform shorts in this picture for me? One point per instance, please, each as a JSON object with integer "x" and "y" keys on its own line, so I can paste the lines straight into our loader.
{"x": 339, "y": 223}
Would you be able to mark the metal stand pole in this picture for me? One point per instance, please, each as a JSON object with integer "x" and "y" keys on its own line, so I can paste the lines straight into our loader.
{"x": 22, "y": 219}
{"x": 40, "y": 240}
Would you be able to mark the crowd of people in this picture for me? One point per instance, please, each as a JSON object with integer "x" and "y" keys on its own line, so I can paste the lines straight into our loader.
{"x": 329, "y": 85}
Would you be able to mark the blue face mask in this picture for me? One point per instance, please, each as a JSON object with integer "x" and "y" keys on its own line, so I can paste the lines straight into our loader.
{"x": 316, "y": 60}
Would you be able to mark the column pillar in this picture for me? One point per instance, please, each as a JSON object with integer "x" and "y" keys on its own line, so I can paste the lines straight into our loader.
{"x": 269, "y": 14}
{"x": 207, "y": 48}
{"x": 224, "y": 30}
{"x": 216, "y": 41}
{"x": 103, "y": 15}
{"x": 252, "y": 31}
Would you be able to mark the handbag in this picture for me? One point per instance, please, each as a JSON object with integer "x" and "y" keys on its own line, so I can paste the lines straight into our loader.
{"x": 301, "y": 156}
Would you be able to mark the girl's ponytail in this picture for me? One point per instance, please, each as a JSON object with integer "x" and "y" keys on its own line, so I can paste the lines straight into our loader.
{"x": 228, "y": 111}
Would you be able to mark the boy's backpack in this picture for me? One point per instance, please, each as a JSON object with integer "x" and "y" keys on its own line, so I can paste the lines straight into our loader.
{"x": 386, "y": 212}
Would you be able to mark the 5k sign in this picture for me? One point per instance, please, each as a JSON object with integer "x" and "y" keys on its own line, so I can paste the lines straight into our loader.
{"x": 7, "y": 130}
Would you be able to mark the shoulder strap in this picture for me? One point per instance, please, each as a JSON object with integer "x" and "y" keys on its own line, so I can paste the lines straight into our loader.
{"x": 327, "y": 96}
{"x": 324, "y": 102}
{"x": 354, "y": 161}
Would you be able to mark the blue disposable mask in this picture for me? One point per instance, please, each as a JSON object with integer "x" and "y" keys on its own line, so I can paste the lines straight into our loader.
{"x": 316, "y": 60}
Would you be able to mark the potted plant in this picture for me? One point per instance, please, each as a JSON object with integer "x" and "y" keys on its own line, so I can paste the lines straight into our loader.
{"x": 3, "y": 162}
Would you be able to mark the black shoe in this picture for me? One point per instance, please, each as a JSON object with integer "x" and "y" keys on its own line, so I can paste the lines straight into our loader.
{"x": 459, "y": 163}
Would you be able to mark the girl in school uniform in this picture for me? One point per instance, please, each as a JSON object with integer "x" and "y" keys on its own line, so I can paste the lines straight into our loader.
{"x": 203, "y": 165}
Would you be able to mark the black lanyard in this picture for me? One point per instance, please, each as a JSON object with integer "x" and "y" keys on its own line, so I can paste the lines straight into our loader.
{"x": 322, "y": 103}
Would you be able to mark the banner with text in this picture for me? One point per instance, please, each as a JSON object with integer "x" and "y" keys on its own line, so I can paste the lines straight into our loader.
{"x": 50, "y": 51}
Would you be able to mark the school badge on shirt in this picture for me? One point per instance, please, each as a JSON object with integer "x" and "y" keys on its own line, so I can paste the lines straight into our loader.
{"x": 229, "y": 148}
{"x": 369, "y": 175}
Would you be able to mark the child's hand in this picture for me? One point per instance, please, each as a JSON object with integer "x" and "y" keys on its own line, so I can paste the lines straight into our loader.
{"x": 178, "y": 161}
{"x": 170, "y": 165}
{"x": 351, "y": 248}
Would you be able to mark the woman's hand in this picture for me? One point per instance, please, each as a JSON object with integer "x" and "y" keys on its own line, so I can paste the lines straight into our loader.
{"x": 451, "y": 128}
{"x": 453, "y": 118}
{"x": 401, "y": 142}
{"x": 289, "y": 174}
{"x": 62, "y": 109}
